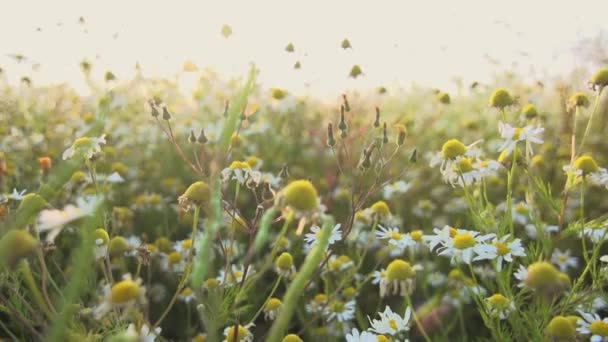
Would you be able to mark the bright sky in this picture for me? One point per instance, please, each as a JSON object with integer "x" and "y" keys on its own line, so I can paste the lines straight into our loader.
{"x": 428, "y": 42}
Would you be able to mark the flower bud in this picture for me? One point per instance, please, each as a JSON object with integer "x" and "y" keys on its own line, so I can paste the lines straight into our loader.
{"x": 16, "y": 245}
{"x": 202, "y": 138}
{"x": 331, "y": 141}
{"x": 191, "y": 137}
{"x": 166, "y": 114}
{"x": 500, "y": 99}
{"x": 377, "y": 121}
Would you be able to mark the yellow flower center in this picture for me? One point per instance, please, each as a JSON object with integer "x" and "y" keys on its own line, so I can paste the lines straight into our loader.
{"x": 187, "y": 244}
{"x": 241, "y": 334}
{"x": 124, "y": 291}
{"x": 416, "y": 235}
{"x": 393, "y": 324}
{"x": 586, "y": 164}
{"x": 502, "y": 248}
{"x": 464, "y": 241}
{"x": 239, "y": 165}
{"x": 174, "y": 258}
{"x": 561, "y": 328}
{"x": 321, "y": 298}
{"x": 542, "y": 274}
{"x": 381, "y": 208}
{"x": 599, "y": 328}
{"x": 499, "y": 301}
{"x": 338, "y": 307}
{"x": 301, "y": 195}
{"x": 399, "y": 270}
{"x": 452, "y": 149}
{"x": 273, "y": 304}
{"x": 453, "y": 232}
{"x": 82, "y": 142}
{"x": 465, "y": 165}
{"x": 382, "y": 338}
{"x": 284, "y": 261}
{"x": 186, "y": 292}
{"x": 396, "y": 236}
{"x": 517, "y": 133}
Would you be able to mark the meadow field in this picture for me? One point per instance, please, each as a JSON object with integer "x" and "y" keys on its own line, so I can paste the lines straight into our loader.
{"x": 239, "y": 212}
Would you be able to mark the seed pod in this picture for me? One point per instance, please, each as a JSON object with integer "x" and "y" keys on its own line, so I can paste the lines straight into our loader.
{"x": 226, "y": 107}
{"x": 331, "y": 141}
{"x": 384, "y": 134}
{"x": 155, "y": 112}
{"x": 191, "y": 137}
{"x": 377, "y": 121}
{"x": 346, "y": 105}
{"x": 166, "y": 114}
{"x": 202, "y": 138}
{"x": 342, "y": 125}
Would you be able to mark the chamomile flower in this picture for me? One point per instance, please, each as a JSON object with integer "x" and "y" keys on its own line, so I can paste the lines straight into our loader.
{"x": 541, "y": 276}
{"x": 102, "y": 241}
{"x": 586, "y": 167}
{"x": 364, "y": 336}
{"x": 399, "y": 187}
{"x": 400, "y": 279}
{"x": 451, "y": 152}
{"x": 53, "y": 220}
{"x": 341, "y": 311}
{"x": 394, "y": 238}
{"x": 234, "y": 275}
{"x": 505, "y": 250}
{"x": 17, "y": 195}
{"x": 301, "y": 197}
{"x": 272, "y": 308}
{"x": 243, "y": 173}
{"x": 513, "y": 135}
{"x": 592, "y": 324}
{"x": 467, "y": 246}
{"x": 340, "y": 263}
{"x": 238, "y": 333}
{"x": 315, "y": 231}
{"x": 499, "y": 306}
{"x": 595, "y": 233}
{"x": 564, "y": 260}
{"x": 125, "y": 293}
{"x": 391, "y": 323}
{"x": 318, "y": 304}
{"x": 143, "y": 334}
{"x": 173, "y": 262}
{"x": 284, "y": 265}
{"x": 441, "y": 236}
{"x": 186, "y": 295}
{"x": 378, "y": 276}
{"x": 85, "y": 147}
{"x": 436, "y": 279}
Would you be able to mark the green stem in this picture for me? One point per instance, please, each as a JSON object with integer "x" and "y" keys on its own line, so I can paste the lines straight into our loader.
{"x": 274, "y": 288}
{"x": 416, "y": 320}
{"x": 35, "y": 292}
{"x": 588, "y": 129}
{"x": 292, "y": 296}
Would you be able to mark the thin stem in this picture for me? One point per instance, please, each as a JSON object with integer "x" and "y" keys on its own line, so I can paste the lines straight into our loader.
{"x": 274, "y": 288}
{"x": 416, "y": 320}
{"x": 588, "y": 129}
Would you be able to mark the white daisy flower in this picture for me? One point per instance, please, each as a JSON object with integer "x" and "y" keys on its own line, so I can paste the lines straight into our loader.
{"x": 272, "y": 309}
{"x": 342, "y": 311}
{"x": 122, "y": 295}
{"x": 363, "y": 336}
{"x": 451, "y": 152}
{"x": 186, "y": 295}
{"x": 564, "y": 260}
{"x": 441, "y": 236}
{"x": 390, "y": 323}
{"x": 505, "y": 250}
{"x": 399, "y": 187}
{"x": 17, "y": 195}
{"x": 596, "y": 234}
{"x": 594, "y": 325}
{"x": 395, "y": 238}
{"x": 242, "y": 173}
{"x": 513, "y": 135}
{"x": 143, "y": 335}
{"x": 318, "y": 304}
{"x": 499, "y": 306}
{"x": 436, "y": 279}
{"x": 548, "y": 229}
{"x": 315, "y": 231}
{"x": 85, "y": 147}
{"x": 468, "y": 246}
{"x": 242, "y": 333}
{"x": 53, "y": 220}
{"x": 234, "y": 275}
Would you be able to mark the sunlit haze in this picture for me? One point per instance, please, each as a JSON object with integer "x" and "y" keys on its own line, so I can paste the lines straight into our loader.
{"x": 394, "y": 42}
